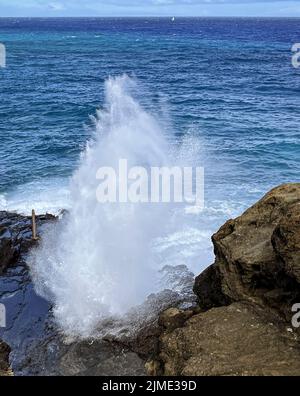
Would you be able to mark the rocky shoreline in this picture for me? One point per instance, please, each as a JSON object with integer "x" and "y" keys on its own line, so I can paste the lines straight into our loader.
{"x": 15, "y": 242}
{"x": 36, "y": 344}
{"x": 241, "y": 324}
{"x": 245, "y": 298}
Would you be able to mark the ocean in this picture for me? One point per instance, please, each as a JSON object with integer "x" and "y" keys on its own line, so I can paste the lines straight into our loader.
{"x": 224, "y": 85}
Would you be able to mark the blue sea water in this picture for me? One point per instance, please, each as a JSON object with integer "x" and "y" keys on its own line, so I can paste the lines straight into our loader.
{"x": 228, "y": 83}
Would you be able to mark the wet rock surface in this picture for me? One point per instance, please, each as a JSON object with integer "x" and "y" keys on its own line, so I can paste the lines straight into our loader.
{"x": 25, "y": 311}
{"x": 36, "y": 344}
{"x": 246, "y": 297}
{"x": 16, "y": 236}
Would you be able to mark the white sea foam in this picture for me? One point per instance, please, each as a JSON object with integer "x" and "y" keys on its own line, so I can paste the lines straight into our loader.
{"x": 98, "y": 261}
{"x": 45, "y": 196}
{"x": 101, "y": 260}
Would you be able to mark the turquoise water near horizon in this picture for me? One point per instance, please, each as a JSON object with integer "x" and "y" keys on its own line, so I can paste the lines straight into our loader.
{"x": 226, "y": 82}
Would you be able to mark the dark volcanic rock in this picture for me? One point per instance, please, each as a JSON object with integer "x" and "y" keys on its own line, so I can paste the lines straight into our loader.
{"x": 254, "y": 282}
{"x": 208, "y": 289}
{"x": 4, "y": 355}
{"x": 25, "y": 311}
{"x": 7, "y": 250}
{"x": 16, "y": 236}
{"x": 56, "y": 356}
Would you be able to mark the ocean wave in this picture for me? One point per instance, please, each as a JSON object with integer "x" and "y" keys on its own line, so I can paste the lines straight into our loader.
{"x": 45, "y": 196}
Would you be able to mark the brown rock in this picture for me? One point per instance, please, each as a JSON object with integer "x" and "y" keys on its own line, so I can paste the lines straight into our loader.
{"x": 254, "y": 282}
{"x": 286, "y": 241}
{"x": 4, "y": 355}
{"x": 208, "y": 289}
{"x": 153, "y": 367}
{"x": 240, "y": 339}
{"x": 257, "y": 254}
{"x": 173, "y": 318}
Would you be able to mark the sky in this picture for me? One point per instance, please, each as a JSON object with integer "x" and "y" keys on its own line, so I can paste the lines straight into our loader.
{"x": 63, "y": 8}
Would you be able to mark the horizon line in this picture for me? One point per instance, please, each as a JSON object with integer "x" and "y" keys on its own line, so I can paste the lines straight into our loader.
{"x": 154, "y": 16}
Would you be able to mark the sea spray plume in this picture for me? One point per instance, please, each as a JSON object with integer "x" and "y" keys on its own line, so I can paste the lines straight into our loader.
{"x": 97, "y": 261}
